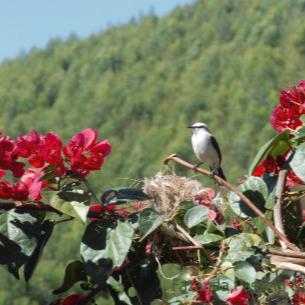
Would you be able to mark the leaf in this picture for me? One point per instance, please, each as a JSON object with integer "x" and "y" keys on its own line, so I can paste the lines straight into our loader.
{"x": 31, "y": 263}
{"x": 256, "y": 190}
{"x": 242, "y": 246}
{"x": 207, "y": 238}
{"x": 119, "y": 289}
{"x": 297, "y": 162}
{"x": 149, "y": 221}
{"x": 72, "y": 203}
{"x": 24, "y": 228}
{"x": 74, "y": 273}
{"x": 224, "y": 284}
{"x": 105, "y": 246}
{"x": 245, "y": 272}
{"x": 195, "y": 215}
{"x": 275, "y": 147}
{"x": 300, "y": 134}
{"x": 20, "y": 232}
{"x": 123, "y": 195}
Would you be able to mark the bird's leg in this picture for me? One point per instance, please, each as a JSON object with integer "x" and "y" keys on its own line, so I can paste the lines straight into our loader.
{"x": 195, "y": 167}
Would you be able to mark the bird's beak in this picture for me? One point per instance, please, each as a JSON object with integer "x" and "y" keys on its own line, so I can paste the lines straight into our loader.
{"x": 189, "y": 126}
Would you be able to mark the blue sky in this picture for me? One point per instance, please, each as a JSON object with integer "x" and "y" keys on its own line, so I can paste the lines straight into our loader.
{"x": 28, "y": 23}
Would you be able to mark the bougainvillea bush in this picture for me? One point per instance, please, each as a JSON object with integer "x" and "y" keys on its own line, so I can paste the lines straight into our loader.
{"x": 172, "y": 241}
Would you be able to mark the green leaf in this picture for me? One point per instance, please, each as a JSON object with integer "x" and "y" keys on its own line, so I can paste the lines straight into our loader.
{"x": 242, "y": 246}
{"x": 149, "y": 221}
{"x": 245, "y": 272}
{"x": 72, "y": 203}
{"x": 19, "y": 233}
{"x": 300, "y": 134}
{"x": 256, "y": 190}
{"x": 195, "y": 215}
{"x": 224, "y": 285}
{"x": 74, "y": 273}
{"x": 297, "y": 162}
{"x": 104, "y": 246}
{"x": 123, "y": 195}
{"x": 275, "y": 147}
{"x": 207, "y": 238}
{"x": 119, "y": 289}
{"x": 23, "y": 228}
{"x": 31, "y": 263}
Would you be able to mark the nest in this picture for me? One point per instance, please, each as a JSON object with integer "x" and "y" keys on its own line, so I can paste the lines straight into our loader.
{"x": 167, "y": 191}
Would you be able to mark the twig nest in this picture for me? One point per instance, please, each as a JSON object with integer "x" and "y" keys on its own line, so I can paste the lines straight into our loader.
{"x": 167, "y": 191}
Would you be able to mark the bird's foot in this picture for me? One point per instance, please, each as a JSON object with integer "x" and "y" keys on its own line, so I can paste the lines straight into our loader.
{"x": 195, "y": 167}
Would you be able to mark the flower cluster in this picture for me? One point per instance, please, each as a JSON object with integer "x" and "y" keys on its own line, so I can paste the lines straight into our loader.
{"x": 288, "y": 114}
{"x": 46, "y": 154}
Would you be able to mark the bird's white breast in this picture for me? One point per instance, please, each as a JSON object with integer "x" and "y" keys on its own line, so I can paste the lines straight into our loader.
{"x": 204, "y": 149}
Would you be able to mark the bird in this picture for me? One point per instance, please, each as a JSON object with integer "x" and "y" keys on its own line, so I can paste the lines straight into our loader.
{"x": 206, "y": 148}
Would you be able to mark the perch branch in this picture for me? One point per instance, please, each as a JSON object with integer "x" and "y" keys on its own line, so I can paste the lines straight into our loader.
{"x": 289, "y": 266}
{"x": 277, "y": 210}
{"x": 232, "y": 188}
{"x": 287, "y": 253}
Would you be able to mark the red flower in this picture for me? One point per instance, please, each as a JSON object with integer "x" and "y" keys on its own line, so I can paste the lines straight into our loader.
{"x": 285, "y": 118}
{"x": 292, "y": 106}
{"x": 5, "y": 190}
{"x": 74, "y": 299}
{"x": 85, "y": 153}
{"x": 20, "y": 191}
{"x": 205, "y": 197}
{"x": 238, "y": 297}
{"x": 288, "y": 283}
{"x": 41, "y": 150}
{"x": 298, "y": 298}
{"x": 204, "y": 292}
{"x": 269, "y": 165}
{"x": 236, "y": 225}
{"x": 8, "y": 156}
{"x": 292, "y": 179}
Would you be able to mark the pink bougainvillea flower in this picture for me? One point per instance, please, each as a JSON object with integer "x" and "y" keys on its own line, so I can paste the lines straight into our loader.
{"x": 84, "y": 152}
{"x": 31, "y": 180}
{"x": 205, "y": 196}
{"x": 238, "y": 297}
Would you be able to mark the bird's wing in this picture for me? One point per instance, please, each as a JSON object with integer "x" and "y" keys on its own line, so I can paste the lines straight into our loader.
{"x": 216, "y": 146}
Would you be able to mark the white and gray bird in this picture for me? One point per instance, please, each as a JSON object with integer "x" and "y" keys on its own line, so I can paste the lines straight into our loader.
{"x": 206, "y": 148}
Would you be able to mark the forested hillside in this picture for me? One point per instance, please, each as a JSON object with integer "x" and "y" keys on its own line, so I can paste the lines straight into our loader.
{"x": 141, "y": 84}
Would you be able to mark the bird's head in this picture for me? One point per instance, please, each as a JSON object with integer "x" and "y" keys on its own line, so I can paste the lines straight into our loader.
{"x": 198, "y": 127}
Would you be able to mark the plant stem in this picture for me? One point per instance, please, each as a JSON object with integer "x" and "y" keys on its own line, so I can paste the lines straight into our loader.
{"x": 277, "y": 210}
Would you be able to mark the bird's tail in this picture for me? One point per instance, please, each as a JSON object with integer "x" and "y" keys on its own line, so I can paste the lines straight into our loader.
{"x": 221, "y": 174}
